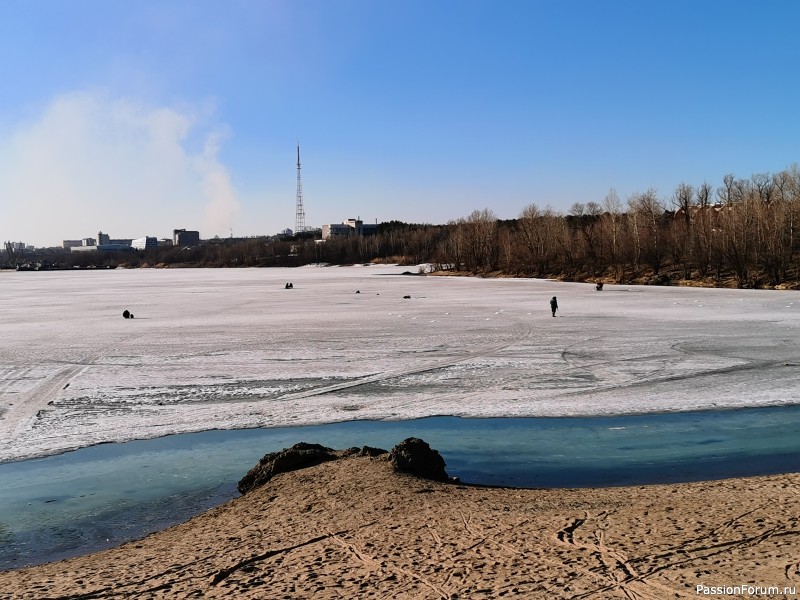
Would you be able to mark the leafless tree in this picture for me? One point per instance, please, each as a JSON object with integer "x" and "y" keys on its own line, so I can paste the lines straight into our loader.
{"x": 613, "y": 225}
{"x": 480, "y": 229}
{"x": 703, "y": 195}
{"x": 725, "y": 194}
{"x": 683, "y": 201}
{"x": 763, "y": 184}
{"x": 736, "y": 227}
{"x": 647, "y": 213}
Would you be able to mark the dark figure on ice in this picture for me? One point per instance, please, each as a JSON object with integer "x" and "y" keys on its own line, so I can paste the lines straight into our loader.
{"x": 599, "y": 286}
{"x": 554, "y": 305}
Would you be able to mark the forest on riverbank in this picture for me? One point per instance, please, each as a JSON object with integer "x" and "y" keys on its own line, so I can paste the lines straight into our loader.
{"x": 744, "y": 233}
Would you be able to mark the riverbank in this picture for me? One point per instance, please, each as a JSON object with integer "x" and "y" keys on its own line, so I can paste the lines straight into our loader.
{"x": 353, "y": 528}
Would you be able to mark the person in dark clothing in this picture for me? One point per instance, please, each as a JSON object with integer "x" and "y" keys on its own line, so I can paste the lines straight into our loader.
{"x": 554, "y": 305}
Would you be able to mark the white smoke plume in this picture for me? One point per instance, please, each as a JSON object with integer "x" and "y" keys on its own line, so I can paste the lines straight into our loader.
{"x": 222, "y": 204}
{"x": 91, "y": 162}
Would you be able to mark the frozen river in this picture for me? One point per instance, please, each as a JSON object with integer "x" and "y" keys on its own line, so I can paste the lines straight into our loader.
{"x": 215, "y": 349}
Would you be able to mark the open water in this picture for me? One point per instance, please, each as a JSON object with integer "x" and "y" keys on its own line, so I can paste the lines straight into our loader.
{"x": 101, "y": 496}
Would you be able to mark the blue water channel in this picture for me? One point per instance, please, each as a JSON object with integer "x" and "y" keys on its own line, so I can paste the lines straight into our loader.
{"x": 100, "y": 496}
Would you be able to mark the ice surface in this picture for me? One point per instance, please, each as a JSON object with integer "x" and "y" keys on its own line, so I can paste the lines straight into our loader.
{"x": 212, "y": 349}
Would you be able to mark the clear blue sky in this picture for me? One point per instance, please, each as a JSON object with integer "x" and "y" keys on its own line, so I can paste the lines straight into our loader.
{"x": 135, "y": 118}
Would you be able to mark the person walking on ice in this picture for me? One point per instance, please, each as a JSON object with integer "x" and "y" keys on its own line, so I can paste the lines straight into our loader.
{"x": 554, "y": 305}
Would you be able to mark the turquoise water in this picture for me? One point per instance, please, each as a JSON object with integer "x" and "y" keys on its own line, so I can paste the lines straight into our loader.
{"x": 100, "y": 496}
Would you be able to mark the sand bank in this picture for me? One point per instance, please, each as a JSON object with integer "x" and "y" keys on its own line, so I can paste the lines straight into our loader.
{"x": 355, "y": 529}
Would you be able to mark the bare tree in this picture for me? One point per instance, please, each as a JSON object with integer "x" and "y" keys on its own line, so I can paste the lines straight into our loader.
{"x": 505, "y": 242}
{"x": 647, "y": 214}
{"x": 584, "y": 224}
{"x": 771, "y": 239}
{"x": 763, "y": 185}
{"x": 681, "y": 226}
{"x": 791, "y": 195}
{"x": 530, "y": 231}
{"x": 613, "y": 226}
{"x": 726, "y": 192}
{"x": 736, "y": 226}
{"x": 703, "y": 195}
{"x": 480, "y": 229}
{"x": 702, "y": 225}
{"x": 454, "y": 245}
{"x": 683, "y": 201}
{"x": 577, "y": 209}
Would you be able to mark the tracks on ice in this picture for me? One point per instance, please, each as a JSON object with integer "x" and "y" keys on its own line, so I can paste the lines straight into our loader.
{"x": 523, "y": 331}
{"x": 386, "y": 375}
{"x": 27, "y": 405}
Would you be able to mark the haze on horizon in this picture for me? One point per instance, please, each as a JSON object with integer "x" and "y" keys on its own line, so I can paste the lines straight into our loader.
{"x": 137, "y": 118}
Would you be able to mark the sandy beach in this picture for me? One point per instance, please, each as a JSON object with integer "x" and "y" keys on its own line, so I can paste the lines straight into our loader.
{"x": 355, "y": 529}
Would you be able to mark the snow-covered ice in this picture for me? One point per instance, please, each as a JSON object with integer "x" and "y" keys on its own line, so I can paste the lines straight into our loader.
{"x": 213, "y": 349}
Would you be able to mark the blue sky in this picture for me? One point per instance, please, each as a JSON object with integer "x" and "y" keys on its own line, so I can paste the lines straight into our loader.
{"x": 135, "y": 118}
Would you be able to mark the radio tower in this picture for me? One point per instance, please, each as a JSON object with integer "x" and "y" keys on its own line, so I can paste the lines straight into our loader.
{"x": 300, "y": 214}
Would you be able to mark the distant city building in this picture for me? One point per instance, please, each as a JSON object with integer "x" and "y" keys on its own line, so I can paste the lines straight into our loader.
{"x": 71, "y": 243}
{"x": 103, "y": 239}
{"x": 287, "y": 232}
{"x": 348, "y": 227}
{"x": 103, "y": 243}
{"x": 103, "y": 248}
{"x": 181, "y": 237}
{"x": 114, "y": 247}
{"x": 20, "y": 247}
{"x": 335, "y": 229}
{"x": 144, "y": 243}
{"x": 164, "y": 242}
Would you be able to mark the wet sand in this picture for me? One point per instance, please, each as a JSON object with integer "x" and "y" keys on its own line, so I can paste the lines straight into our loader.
{"x": 355, "y": 529}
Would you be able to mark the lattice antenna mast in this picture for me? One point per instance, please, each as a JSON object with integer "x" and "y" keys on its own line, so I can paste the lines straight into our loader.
{"x": 300, "y": 214}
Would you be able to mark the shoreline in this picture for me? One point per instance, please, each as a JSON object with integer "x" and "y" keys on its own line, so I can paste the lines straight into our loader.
{"x": 713, "y": 408}
{"x": 353, "y": 527}
{"x": 644, "y": 413}
{"x": 533, "y": 454}
{"x": 674, "y": 276}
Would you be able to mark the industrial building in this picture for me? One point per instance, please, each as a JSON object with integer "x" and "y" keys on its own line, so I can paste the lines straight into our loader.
{"x": 103, "y": 243}
{"x": 181, "y": 237}
{"x": 348, "y": 227}
{"x": 103, "y": 239}
{"x": 144, "y": 243}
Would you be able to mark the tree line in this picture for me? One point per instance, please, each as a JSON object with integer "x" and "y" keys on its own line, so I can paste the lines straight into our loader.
{"x": 743, "y": 232}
